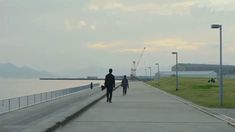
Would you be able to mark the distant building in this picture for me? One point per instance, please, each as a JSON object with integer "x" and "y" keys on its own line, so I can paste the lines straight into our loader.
{"x": 227, "y": 69}
{"x": 204, "y": 74}
{"x": 92, "y": 77}
{"x": 145, "y": 77}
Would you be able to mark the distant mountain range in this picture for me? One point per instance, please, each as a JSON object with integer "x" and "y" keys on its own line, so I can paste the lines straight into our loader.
{"x": 9, "y": 70}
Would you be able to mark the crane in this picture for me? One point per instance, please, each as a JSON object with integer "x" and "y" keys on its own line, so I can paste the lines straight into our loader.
{"x": 136, "y": 64}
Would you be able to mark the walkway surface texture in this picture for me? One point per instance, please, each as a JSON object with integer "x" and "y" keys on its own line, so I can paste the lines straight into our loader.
{"x": 144, "y": 109}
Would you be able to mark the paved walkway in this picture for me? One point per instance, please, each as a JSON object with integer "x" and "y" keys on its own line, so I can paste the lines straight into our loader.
{"x": 144, "y": 109}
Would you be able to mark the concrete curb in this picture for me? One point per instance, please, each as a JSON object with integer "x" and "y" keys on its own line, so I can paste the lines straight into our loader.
{"x": 76, "y": 114}
{"x": 219, "y": 116}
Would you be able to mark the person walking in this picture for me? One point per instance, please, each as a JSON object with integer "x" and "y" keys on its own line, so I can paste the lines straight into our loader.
{"x": 109, "y": 84}
{"x": 125, "y": 85}
{"x": 91, "y": 86}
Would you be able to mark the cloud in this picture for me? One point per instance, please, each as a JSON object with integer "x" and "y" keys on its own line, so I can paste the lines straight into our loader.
{"x": 133, "y": 50}
{"x": 82, "y": 24}
{"x": 98, "y": 46}
{"x": 105, "y": 45}
{"x": 139, "y": 50}
{"x": 222, "y": 5}
{"x": 93, "y": 7}
{"x": 120, "y": 46}
{"x": 70, "y": 24}
{"x": 151, "y": 45}
{"x": 166, "y": 8}
{"x": 160, "y": 8}
{"x": 172, "y": 44}
{"x": 93, "y": 27}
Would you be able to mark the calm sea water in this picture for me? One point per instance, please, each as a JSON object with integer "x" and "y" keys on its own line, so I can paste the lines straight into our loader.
{"x": 10, "y": 88}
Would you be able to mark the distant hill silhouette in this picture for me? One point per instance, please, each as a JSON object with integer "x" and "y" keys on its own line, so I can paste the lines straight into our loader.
{"x": 8, "y": 70}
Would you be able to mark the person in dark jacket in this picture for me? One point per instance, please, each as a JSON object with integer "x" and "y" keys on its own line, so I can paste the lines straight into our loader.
{"x": 91, "y": 85}
{"x": 125, "y": 85}
{"x": 109, "y": 84}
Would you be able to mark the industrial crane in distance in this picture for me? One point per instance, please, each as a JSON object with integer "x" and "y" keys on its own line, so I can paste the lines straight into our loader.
{"x": 135, "y": 65}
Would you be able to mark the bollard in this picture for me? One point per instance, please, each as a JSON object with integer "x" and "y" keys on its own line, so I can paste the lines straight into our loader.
{"x": 9, "y": 105}
{"x": 27, "y": 100}
{"x": 40, "y": 97}
{"x": 34, "y": 98}
{"x": 19, "y": 102}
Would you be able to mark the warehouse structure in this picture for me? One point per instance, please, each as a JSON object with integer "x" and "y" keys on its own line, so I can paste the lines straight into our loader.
{"x": 227, "y": 69}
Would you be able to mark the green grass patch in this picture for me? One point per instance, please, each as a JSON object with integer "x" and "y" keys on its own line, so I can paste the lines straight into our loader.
{"x": 199, "y": 91}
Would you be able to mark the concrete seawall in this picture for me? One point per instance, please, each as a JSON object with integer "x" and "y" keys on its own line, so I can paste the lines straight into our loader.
{"x": 49, "y": 115}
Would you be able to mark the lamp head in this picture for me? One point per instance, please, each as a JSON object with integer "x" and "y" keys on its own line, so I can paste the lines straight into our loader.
{"x": 174, "y": 52}
{"x": 214, "y": 26}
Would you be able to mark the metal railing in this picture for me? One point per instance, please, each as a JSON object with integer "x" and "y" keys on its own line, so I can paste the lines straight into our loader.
{"x": 11, "y": 104}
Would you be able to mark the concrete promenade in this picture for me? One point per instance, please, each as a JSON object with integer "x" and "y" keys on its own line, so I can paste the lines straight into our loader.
{"x": 144, "y": 109}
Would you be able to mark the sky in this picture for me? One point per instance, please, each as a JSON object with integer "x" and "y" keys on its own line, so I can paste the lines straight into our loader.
{"x": 87, "y": 37}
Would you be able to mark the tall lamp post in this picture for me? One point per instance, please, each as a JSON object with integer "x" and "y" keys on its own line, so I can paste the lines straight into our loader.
{"x": 146, "y": 72}
{"x": 158, "y": 75}
{"x": 218, "y": 26}
{"x": 150, "y": 74}
{"x": 176, "y": 71}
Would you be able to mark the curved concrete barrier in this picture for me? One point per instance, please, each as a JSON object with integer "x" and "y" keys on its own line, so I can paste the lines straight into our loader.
{"x": 49, "y": 115}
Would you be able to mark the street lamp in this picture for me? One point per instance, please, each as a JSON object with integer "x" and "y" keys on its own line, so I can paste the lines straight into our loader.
{"x": 146, "y": 72}
{"x": 218, "y": 26}
{"x": 176, "y": 71}
{"x": 150, "y": 69}
{"x": 158, "y": 76}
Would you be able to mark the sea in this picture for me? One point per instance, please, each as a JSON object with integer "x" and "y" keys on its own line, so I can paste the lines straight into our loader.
{"x": 10, "y": 88}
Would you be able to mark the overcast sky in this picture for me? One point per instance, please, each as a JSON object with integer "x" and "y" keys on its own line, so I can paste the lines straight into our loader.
{"x": 86, "y": 37}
